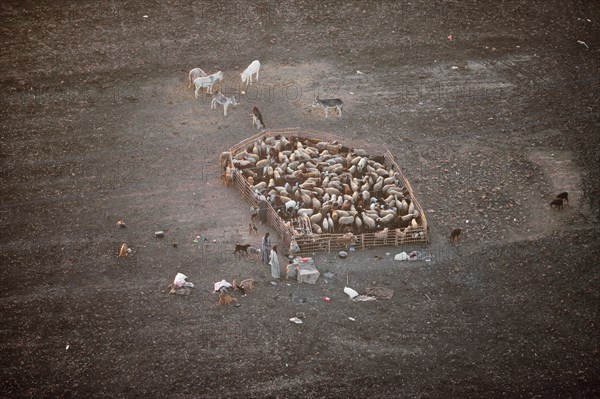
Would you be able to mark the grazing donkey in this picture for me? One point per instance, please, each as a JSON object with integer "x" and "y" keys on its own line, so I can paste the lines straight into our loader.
{"x": 219, "y": 98}
{"x": 207, "y": 82}
{"x": 329, "y": 103}
{"x": 253, "y": 68}
{"x": 196, "y": 73}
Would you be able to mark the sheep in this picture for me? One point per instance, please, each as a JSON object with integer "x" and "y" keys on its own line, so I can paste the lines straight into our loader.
{"x": 253, "y": 68}
{"x": 368, "y": 221}
{"x": 196, "y": 73}
{"x": 207, "y": 82}
{"x": 290, "y": 205}
{"x": 387, "y": 219}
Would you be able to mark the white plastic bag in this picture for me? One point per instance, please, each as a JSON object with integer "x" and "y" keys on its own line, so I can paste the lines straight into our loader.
{"x": 180, "y": 281}
{"x": 350, "y": 292}
{"x": 401, "y": 256}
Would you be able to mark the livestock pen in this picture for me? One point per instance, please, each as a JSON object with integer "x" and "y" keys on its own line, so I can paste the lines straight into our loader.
{"x": 309, "y": 242}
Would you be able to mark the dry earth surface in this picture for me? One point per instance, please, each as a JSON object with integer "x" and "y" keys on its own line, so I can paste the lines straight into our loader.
{"x": 98, "y": 124}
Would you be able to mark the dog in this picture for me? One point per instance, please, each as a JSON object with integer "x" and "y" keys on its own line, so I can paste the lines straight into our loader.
{"x": 252, "y": 228}
{"x": 257, "y": 119}
{"x": 241, "y": 249}
{"x": 557, "y": 204}
{"x": 455, "y": 234}
{"x": 226, "y": 299}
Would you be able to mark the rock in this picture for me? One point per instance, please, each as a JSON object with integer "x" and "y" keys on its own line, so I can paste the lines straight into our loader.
{"x": 159, "y": 234}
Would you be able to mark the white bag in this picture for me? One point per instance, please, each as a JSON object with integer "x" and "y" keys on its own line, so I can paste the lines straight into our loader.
{"x": 350, "y": 292}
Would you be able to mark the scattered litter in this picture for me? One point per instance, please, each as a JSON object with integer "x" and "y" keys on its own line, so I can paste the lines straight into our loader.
{"x": 174, "y": 245}
{"x": 328, "y": 275}
{"x": 121, "y": 224}
{"x": 145, "y": 16}
{"x": 378, "y": 257}
{"x": 454, "y": 68}
{"x": 198, "y": 238}
{"x": 296, "y": 320}
{"x": 351, "y": 249}
{"x": 307, "y": 271}
{"x": 351, "y": 319}
{"x": 401, "y": 256}
{"x": 350, "y": 292}
{"x": 180, "y": 281}
{"x": 159, "y": 234}
{"x": 451, "y": 38}
{"x": 364, "y": 298}
{"x": 428, "y": 297}
{"x": 67, "y": 348}
{"x": 380, "y": 292}
{"x": 582, "y": 42}
{"x": 350, "y": 92}
{"x": 326, "y": 299}
{"x": 387, "y": 254}
{"x": 222, "y": 286}
{"x": 360, "y": 73}
{"x": 123, "y": 251}
{"x": 343, "y": 254}
{"x": 273, "y": 283}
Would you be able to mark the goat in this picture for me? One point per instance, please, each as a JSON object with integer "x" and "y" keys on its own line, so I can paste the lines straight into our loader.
{"x": 219, "y": 98}
{"x": 557, "y": 203}
{"x": 564, "y": 196}
{"x": 345, "y": 240}
{"x": 196, "y": 73}
{"x": 252, "y": 228}
{"x": 244, "y": 285}
{"x": 257, "y": 119}
{"x": 207, "y": 82}
{"x": 382, "y": 235}
{"x": 226, "y": 299}
{"x": 329, "y": 103}
{"x": 253, "y": 68}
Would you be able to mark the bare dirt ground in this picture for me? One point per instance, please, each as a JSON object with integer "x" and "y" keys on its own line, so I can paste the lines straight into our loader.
{"x": 98, "y": 125}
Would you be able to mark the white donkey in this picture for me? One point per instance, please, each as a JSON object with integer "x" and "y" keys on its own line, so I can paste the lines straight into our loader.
{"x": 196, "y": 73}
{"x": 253, "y": 68}
{"x": 207, "y": 82}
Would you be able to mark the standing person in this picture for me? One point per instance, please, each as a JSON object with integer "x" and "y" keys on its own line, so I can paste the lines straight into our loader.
{"x": 266, "y": 248}
{"x": 274, "y": 262}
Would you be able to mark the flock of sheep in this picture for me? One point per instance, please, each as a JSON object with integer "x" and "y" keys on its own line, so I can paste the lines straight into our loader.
{"x": 324, "y": 187}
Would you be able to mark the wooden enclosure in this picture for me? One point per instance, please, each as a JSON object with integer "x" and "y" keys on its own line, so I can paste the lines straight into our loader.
{"x": 310, "y": 242}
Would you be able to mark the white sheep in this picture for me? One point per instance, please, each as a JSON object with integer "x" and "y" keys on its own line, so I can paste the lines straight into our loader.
{"x": 253, "y": 68}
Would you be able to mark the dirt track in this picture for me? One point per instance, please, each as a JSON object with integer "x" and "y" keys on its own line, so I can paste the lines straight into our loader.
{"x": 99, "y": 125}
